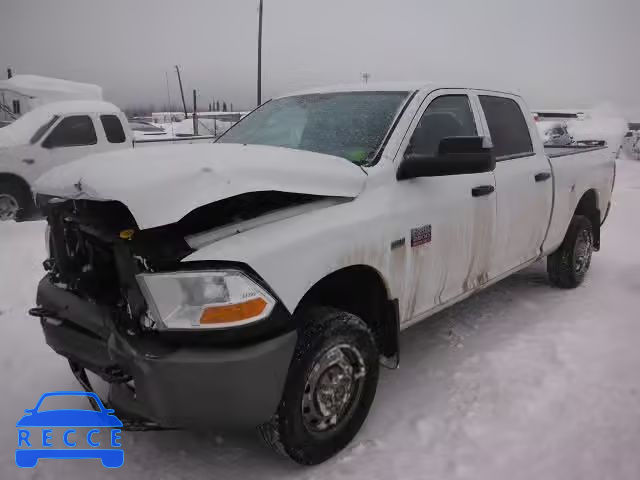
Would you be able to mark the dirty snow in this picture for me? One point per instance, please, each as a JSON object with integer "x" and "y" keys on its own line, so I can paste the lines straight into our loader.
{"x": 522, "y": 381}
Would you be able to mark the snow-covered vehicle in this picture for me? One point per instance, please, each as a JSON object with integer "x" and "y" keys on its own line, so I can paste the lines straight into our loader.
{"x": 555, "y": 133}
{"x": 260, "y": 280}
{"x": 145, "y": 130}
{"x": 49, "y": 136}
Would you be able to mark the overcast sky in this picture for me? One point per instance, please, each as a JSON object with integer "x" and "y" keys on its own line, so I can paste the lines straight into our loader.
{"x": 558, "y": 53}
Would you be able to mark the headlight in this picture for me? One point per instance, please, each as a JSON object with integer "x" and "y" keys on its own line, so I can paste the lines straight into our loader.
{"x": 205, "y": 299}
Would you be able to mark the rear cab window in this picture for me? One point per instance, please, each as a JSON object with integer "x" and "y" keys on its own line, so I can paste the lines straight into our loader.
{"x": 507, "y": 126}
{"x": 73, "y": 131}
{"x": 113, "y": 128}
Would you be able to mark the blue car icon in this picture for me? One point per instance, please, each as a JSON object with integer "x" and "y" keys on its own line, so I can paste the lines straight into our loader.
{"x": 28, "y": 457}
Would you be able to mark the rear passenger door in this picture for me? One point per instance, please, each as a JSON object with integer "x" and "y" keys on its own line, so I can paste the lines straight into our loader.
{"x": 524, "y": 185}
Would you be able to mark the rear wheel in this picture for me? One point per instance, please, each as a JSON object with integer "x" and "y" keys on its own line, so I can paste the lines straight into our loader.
{"x": 14, "y": 199}
{"x": 330, "y": 387}
{"x": 568, "y": 265}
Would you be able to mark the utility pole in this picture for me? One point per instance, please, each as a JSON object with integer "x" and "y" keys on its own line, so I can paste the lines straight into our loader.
{"x": 184, "y": 105}
{"x": 195, "y": 114}
{"x": 259, "y": 52}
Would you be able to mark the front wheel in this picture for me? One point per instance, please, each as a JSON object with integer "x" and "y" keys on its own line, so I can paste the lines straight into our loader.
{"x": 14, "y": 200}
{"x": 330, "y": 387}
{"x": 568, "y": 265}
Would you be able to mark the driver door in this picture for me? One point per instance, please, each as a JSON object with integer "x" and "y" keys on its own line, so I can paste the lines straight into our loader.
{"x": 449, "y": 221}
{"x": 72, "y": 138}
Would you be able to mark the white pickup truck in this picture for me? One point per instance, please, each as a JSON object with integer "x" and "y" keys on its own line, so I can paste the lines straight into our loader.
{"x": 261, "y": 280}
{"x": 49, "y": 136}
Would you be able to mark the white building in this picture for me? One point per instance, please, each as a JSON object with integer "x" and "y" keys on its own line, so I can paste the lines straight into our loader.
{"x": 21, "y": 93}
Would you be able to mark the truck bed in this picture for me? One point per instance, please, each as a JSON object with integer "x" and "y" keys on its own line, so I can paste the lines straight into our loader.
{"x": 577, "y": 169}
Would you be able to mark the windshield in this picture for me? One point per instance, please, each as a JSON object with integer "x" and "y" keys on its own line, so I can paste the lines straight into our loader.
{"x": 43, "y": 129}
{"x": 24, "y": 129}
{"x": 349, "y": 125}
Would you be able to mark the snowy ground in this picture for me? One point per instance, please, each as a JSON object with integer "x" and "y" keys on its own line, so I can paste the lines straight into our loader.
{"x": 522, "y": 381}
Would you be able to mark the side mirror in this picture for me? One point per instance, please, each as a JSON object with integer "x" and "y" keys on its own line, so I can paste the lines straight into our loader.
{"x": 456, "y": 156}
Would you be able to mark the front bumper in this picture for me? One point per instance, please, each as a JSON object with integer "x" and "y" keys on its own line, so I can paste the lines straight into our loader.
{"x": 174, "y": 385}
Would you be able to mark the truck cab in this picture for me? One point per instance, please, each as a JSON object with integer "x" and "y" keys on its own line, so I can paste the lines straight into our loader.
{"x": 49, "y": 136}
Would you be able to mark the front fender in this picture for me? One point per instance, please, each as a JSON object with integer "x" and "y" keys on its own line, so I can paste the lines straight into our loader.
{"x": 294, "y": 254}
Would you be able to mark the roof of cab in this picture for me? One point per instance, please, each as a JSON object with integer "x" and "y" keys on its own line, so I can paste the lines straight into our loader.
{"x": 363, "y": 87}
{"x": 77, "y": 106}
{"x": 391, "y": 87}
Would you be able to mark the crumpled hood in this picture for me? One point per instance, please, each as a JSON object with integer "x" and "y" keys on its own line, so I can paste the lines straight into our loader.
{"x": 160, "y": 185}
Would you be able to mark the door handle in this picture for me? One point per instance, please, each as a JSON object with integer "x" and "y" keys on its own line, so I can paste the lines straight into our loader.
{"x": 542, "y": 176}
{"x": 482, "y": 190}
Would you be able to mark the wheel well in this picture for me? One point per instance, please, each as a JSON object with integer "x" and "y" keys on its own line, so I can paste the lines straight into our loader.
{"x": 360, "y": 290}
{"x": 10, "y": 177}
{"x": 588, "y": 207}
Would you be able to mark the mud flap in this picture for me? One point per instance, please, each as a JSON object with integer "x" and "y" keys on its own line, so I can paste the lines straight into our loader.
{"x": 390, "y": 352}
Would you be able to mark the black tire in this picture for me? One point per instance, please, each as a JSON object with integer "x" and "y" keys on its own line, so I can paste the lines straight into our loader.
{"x": 568, "y": 265}
{"x": 11, "y": 189}
{"x": 290, "y": 431}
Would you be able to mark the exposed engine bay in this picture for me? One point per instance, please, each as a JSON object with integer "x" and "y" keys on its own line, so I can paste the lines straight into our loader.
{"x": 96, "y": 249}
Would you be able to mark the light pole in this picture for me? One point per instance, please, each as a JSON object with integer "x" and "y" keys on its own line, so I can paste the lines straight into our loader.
{"x": 259, "y": 52}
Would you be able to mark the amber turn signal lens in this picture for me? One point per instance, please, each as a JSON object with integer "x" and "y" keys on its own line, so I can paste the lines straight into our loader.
{"x": 233, "y": 313}
{"x": 127, "y": 234}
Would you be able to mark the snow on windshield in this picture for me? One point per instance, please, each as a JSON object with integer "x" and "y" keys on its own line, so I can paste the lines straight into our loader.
{"x": 22, "y": 130}
{"x": 350, "y": 125}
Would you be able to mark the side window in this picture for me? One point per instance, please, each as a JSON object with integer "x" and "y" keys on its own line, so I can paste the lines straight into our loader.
{"x": 72, "y": 131}
{"x": 446, "y": 116}
{"x": 113, "y": 128}
{"x": 508, "y": 128}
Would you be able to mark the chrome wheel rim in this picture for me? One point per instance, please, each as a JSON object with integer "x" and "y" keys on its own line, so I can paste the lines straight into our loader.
{"x": 333, "y": 388}
{"x": 8, "y": 207}
{"x": 583, "y": 250}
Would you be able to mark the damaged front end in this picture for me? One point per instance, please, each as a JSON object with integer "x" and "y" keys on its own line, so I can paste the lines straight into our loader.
{"x": 96, "y": 251}
{"x": 97, "y": 310}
